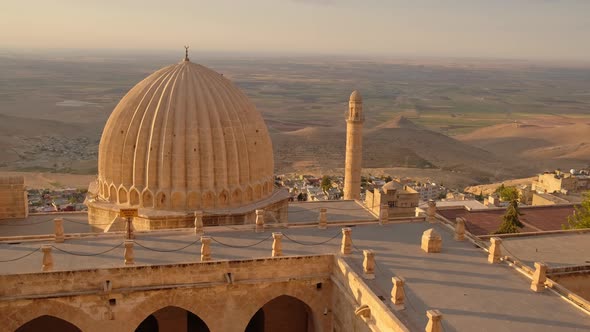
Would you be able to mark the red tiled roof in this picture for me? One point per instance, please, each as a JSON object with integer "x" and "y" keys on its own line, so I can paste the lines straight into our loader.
{"x": 484, "y": 222}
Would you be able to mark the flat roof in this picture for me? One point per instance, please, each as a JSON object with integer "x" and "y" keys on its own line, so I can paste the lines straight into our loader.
{"x": 458, "y": 281}
{"x": 337, "y": 211}
{"x": 535, "y": 218}
{"x": 555, "y": 250}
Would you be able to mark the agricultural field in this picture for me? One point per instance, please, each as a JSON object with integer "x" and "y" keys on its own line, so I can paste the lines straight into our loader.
{"x": 467, "y": 120}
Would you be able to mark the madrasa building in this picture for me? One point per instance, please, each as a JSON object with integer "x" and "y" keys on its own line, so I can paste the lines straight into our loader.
{"x": 215, "y": 247}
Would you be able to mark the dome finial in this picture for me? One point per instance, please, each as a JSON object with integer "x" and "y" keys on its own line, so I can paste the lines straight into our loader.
{"x": 186, "y": 53}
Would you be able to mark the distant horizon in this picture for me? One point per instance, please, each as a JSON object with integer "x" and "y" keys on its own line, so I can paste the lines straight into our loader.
{"x": 545, "y": 30}
{"x": 169, "y": 52}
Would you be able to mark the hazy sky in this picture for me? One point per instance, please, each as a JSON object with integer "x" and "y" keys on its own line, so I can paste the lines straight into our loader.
{"x": 557, "y": 29}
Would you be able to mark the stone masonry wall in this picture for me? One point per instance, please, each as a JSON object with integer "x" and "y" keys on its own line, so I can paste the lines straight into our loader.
{"x": 13, "y": 197}
{"x": 224, "y": 294}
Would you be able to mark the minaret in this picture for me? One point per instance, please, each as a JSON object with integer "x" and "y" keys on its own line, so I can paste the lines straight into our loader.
{"x": 354, "y": 147}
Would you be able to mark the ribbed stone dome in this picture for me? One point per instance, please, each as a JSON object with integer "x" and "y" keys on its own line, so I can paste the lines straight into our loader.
{"x": 185, "y": 138}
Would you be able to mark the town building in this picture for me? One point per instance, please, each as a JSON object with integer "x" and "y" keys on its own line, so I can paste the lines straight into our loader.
{"x": 562, "y": 182}
{"x": 401, "y": 201}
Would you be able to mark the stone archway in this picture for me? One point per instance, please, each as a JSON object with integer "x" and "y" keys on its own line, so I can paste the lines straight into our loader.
{"x": 48, "y": 323}
{"x": 58, "y": 313}
{"x": 283, "y": 313}
{"x": 172, "y": 319}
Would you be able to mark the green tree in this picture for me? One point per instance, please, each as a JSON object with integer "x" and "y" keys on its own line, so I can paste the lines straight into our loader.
{"x": 479, "y": 197}
{"x": 511, "y": 221}
{"x": 326, "y": 183}
{"x": 507, "y": 194}
{"x": 581, "y": 216}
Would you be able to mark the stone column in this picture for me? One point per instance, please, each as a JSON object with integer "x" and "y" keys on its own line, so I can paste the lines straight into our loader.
{"x": 431, "y": 211}
{"x": 460, "y": 229}
{"x": 434, "y": 321}
{"x": 259, "y": 221}
{"x": 277, "y": 245}
{"x": 323, "y": 219}
{"x": 129, "y": 256}
{"x": 346, "y": 247}
{"x": 369, "y": 264}
{"x": 199, "y": 222}
{"x": 47, "y": 258}
{"x": 129, "y": 229}
{"x": 205, "y": 248}
{"x": 383, "y": 214}
{"x": 539, "y": 277}
{"x": 495, "y": 252}
{"x": 58, "y": 226}
{"x": 398, "y": 295}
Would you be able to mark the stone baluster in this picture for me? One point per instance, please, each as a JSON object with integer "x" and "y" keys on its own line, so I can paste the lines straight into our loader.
{"x": 58, "y": 226}
{"x": 369, "y": 264}
{"x": 431, "y": 211}
{"x": 383, "y": 214}
{"x": 346, "y": 247}
{"x": 460, "y": 229}
{"x": 539, "y": 277}
{"x": 199, "y": 222}
{"x": 495, "y": 252}
{"x": 47, "y": 258}
{"x": 259, "y": 221}
{"x": 398, "y": 294}
{"x": 323, "y": 219}
{"x": 277, "y": 245}
{"x": 205, "y": 248}
{"x": 434, "y": 321}
{"x": 129, "y": 255}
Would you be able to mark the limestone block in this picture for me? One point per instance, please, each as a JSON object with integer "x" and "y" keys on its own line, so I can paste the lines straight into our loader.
{"x": 539, "y": 277}
{"x": 431, "y": 241}
{"x": 369, "y": 264}
{"x": 47, "y": 258}
{"x": 431, "y": 211}
{"x": 495, "y": 252}
{"x": 398, "y": 294}
{"x": 346, "y": 246}
{"x": 129, "y": 256}
{"x": 323, "y": 219}
{"x": 460, "y": 229}
{"x": 277, "y": 246}
{"x": 434, "y": 321}
{"x": 205, "y": 248}
{"x": 58, "y": 230}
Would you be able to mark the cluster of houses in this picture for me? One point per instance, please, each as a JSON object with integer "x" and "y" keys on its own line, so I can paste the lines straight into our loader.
{"x": 46, "y": 200}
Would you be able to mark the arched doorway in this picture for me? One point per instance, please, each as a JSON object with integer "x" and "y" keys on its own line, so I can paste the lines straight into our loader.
{"x": 284, "y": 313}
{"x": 48, "y": 324}
{"x": 172, "y": 319}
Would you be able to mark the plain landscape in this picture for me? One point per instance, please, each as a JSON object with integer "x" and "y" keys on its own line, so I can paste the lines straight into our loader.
{"x": 456, "y": 121}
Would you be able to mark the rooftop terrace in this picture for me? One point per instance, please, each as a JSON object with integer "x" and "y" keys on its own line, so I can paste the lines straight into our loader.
{"x": 459, "y": 281}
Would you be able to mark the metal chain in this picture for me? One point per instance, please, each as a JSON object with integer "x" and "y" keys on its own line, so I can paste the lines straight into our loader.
{"x": 246, "y": 246}
{"x": 87, "y": 255}
{"x": 21, "y": 257}
{"x": 166, "y": 250}
{"x": 312, "y": 243}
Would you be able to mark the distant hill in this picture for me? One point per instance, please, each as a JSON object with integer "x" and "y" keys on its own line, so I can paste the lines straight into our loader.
{"x": 395, "y": 143}
{"x": 399, "y": 121}
{"x": 547, "y": 143}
